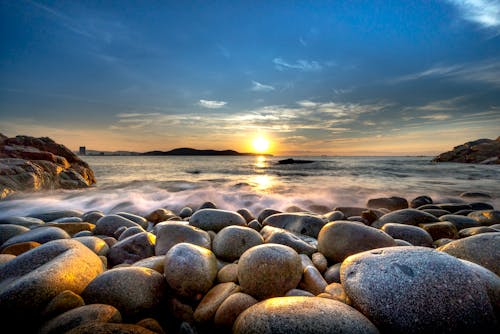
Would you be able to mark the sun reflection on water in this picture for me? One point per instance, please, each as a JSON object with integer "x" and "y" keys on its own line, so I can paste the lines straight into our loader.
{"x": 263, "y": 182}
{"x": 260, "y": 162}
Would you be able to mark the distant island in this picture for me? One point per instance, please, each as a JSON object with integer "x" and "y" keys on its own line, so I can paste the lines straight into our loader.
{"x": 482, "y": 151}
{"x": 184, "y": 151}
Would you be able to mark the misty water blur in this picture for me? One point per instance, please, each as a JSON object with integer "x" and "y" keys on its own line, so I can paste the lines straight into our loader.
{"x": 141, "y": 184}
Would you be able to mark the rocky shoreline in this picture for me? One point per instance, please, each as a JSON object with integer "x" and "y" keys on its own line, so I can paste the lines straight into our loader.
{"x": 393, "y": 266}
{"x": 481, "y": 151}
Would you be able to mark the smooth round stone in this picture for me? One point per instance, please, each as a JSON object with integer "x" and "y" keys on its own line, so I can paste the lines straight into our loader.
{"x": 153, "y": 262}
{"x": 419, "y": 201}
{"x": 135, "y": 218}
{"x": 491, "y": 281}
{"x": 483, "y": 249}
{"x": 255, "y": 225}
{"x": 475, "y": 194}
{"x": 6, "y": 258}
{"x": 266, "y": 213}
{"x": 65, "y": 301}
{"x": 486, "y": 217}
{"x": 169, "y": 234}
{"x": 207, "y": 205}
{"x": 468, "y": 232}
{"x": 109, "y": 328}
{"x": 107, "y": 225}
{"x": 205, "y": 311}
{"x": 228, "y": 273}
{"x": 245, "y": 213}
{"x": 334, "y": 215}
{"x": 441, "y": 230}
{"x": 28, "y": 222}
{"x": 190, "y": 270}
{"x": 460, "y": 222}
{"x": 312, "y": 281}
{"x": 128, "y": 232}
{"x": 302, "y": 314}
{"x": 21, "y": 247}
{"x": 417, "y": 290}
{"x": 95, "y": 244}
{"x": 350, "y": 211}
{"x": 231, "y": 308}
{"x": 337, "y": 292}
{"x": 320, "y": 262}
{"x": 72, "y": 227}
{"x": 269, "y": 270}
{"x": 300, "y": 223}
{"x": 441, "y": 242}
{"x": 32, "y": 279}
{"x": 132, "y": 249}
{"x": 338, "y": 240}
{"x": 332, "y": 274}
{"x": 8, "y": 231}
{"x": 232, "y": 241}
{"x": 392, "y": 203}
{"x": 185, "y": 212}
{"x": 215, "y": 219}
{"x": 405, "y": 216}
{"x": 40, "y": 235}
{"x": 415, "y": 235}
{"x": 159, "y": 215}
{"x": 68, "y": 220}
{"x": 81, "y": 315}
{"x": 437, "y": 212}
{"x": 92, "y": 216}
{"x": 275, "y": 235}
{"x": 50, "y": 216}
{"x": 298, "y": 292}
{"x": 134, "y": 291}
{"x": 481, "y": 206}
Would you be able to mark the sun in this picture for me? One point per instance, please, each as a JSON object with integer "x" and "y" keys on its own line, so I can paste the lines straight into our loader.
{"x": 260, "y": 144}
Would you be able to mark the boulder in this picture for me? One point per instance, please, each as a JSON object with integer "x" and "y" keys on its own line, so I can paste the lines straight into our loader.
{"x": 300, "y": 223}
{"x": 392, "y": 203}
{"x": 232, "y": 241}
{"x": 277, "y": 235}
{"x": 169, "y": 234}
{"x": 215, "y": 219}
{"x": 415, "y": 235}
{"x": 482, "y": 151}
{"x": 405, "y": 216}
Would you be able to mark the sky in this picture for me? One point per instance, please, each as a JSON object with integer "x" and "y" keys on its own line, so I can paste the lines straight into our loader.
{"x": 375, "y": 77}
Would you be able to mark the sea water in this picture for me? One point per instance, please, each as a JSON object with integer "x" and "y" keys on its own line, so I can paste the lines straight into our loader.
{"x": 140, "y": 184}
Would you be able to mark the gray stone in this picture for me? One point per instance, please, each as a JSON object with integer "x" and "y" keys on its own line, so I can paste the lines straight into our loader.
{"x": 132, "y": 249}
{"x": 169, "y": 234}
{"x": 405, "y": 216}
{"x": 190, "y": 270}
{"x": 486, "y": 217}
{"x": 28, "y": 222}
{"x": 338, "y": 240}
{"x": 334, "y": 215}
{"x": 32, "y": 279}
{"x": 135, "y": 218}
{"x": 231, "y": 308}
{"x": 417, "y": 290}
{"x": 392, "y": 203}
{"x": 65, "y": 301}
{"x": 40, "y": 235}
{"x": 245, "y": 213}
{"x": 8, "y": 231}
{"x": 215, "y": 219}
{"x": 232, "y": 241}
{"x": 419, "y": 201}
{"x": 97, "y": 245}
{"x": 107, "y": 225}
{"x": 332, "y": 274}
{"x": 134, "y": 291}
{"x": 441, "y": 230}
{"x": 483, "y": 249}
{"x": 130, "y": 231}
{"x": 92, "y": 216}
{"x": 415, "y": 235}
{"x": 48, "y": 216}
{"x": 460, "y": 222}
{"x": 269, "y": 270}
{"x": 281, "y": 236}
{"x": 266, "y": 213}
{"x": 185, "y": 212}
{"x": 300, "y": 223}
{"x": 205, "y": 311}
{"x": 468, "y": 232}
{"x": 307, "y": 315}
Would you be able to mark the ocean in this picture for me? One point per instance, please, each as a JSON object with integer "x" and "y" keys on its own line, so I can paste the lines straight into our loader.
{"x": 142, "y": 184}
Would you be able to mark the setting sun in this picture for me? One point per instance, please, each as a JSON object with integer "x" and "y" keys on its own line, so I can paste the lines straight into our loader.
{"x": 260, "y": 144}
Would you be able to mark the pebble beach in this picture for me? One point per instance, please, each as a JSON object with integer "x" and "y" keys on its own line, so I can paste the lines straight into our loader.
{"x": 394, "y": 265}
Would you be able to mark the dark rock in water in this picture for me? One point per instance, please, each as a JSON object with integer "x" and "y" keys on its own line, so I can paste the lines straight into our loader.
{"x": 415, "y": 235}
{"x": 392, "y": 203}
{"x": 293, "y": 161}
{"x": 483, "y": 151}
{"x": 405, "y": 216}
{"x": 474, "y": 194}
{"x": 300, "y": 223}
{"x": 419, "y": 201}
{"x": 266, "y": 213}
{"x": 33, "y": 164}
{"x": 486, "y": 217}
{"x": 480, "y": 206}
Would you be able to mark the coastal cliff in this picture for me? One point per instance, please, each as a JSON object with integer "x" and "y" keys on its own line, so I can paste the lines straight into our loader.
{"x": 33, "y": 164}
{"x": 482, "y": 151}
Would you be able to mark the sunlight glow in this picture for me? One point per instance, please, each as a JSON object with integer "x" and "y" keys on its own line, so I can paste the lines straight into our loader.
{"x": 260, "y": 144}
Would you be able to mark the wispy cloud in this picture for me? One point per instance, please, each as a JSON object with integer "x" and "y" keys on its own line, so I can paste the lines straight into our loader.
{"x": 301, "y": 65}
{"x": 260, "y": 87}
{"x": 487, "y": 71}
{"x": 485, "y": 13}
{"x": 436, "y": 117}
{"x": 131, "y": 115}
{"x": 211, "y": 104}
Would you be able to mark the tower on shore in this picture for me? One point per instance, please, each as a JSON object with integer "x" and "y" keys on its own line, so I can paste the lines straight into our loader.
{"x": 83, "y": 150}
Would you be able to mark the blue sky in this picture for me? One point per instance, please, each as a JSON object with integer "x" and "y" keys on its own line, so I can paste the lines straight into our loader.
{"x": 315, "y": 77}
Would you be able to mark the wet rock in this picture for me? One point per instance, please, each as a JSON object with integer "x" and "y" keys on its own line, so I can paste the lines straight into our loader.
{"x": 255, "y": 225}
{"x": 8, "y": 231}
{"x": 134, "y": 291}
{"x": 245, "y": 213}
{"x": 468, "y": 232}
{"x": 190, "y": 270}
{"x": 309, "y": 314}
{"x": 298, "y": 293}
{"x": 320, "y": 262}
{"x": 207, "y": 205}
{"x": 300, "y": 223}
{"x": 169, "y": 234}
{"x": 49, "y": 216}
{"x": 135, "y": 218}
{"x": 212, "y": 301}
{"x": 153, "y": 262}
{"x": 332, "y": 274}
{"x": 40, "y": 235}
{"x": 92, "y": 216}
{"x": 269, "y": 270}
{"x": 228, "y": 273}
{"x": 266, "y": 213}
{"x": 483, "y": 249}
{"x": 419, "y": 201}
{"x": 475, "y": 194}
{"x": 441, "y": 230}
{"x": 460, "y": 222}
{"x": 338, "y": 240}
{"x": 417, "y": 290}
{"x": 280, "y": 236}
{"x": 349, "y": 211}
{"x": 486, "y": 217}
{"x": 454, "y": 207}
{"x": 95, "y": 244}
{"x": 159, "y": 215}
{"x": 415, "y": 235}
{"x": 392, "y": 203}
{"x": 333, "y": 216}
{"x": 20, "y": 247}
{"x": 215, "y": 220}
{"x": 65, "y": 301}
{"x": 185, "y": 212}
{"x": 28, "y": 222}
{"x": 232, "y": 241}
{"x": 132, "y": 249}
{"x": 107, "y": 225}
{"x": 72, "y": 227}
{"x": 405, "y": 216}
{"x": 437, "y": 212}
{"x": 312, "y": 281}
{"x": 231, "y": 308}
